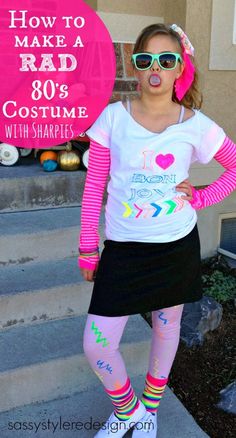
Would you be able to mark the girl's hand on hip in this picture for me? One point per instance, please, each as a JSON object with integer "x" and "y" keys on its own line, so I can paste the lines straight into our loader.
{"x": 185, "y": 187}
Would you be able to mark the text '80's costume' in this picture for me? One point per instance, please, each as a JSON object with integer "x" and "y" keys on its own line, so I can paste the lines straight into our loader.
{"x": 151, "y": 258}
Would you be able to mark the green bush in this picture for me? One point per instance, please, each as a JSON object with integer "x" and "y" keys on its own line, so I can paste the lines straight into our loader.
{"x": 220, "y": 286}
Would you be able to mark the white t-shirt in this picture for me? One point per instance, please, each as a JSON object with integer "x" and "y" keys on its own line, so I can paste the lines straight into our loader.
{"x": 142, "y": 204}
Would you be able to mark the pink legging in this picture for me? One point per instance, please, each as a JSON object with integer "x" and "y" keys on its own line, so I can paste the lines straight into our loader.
{"x": 102, "y": 336}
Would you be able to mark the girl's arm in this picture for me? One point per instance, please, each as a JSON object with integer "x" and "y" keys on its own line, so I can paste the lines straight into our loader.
{"x": 224, "y": 185}
{"x": 96, "y": 178}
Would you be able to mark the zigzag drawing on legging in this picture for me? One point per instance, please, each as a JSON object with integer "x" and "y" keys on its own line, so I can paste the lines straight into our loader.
{"x": 155, "y": 367}
{"x": 160, "y": 317}
{"x": 101, "y": 365}
{"x": 98, "y": 333}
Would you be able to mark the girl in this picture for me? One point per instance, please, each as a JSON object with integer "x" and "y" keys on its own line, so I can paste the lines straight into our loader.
{"x": 151, "y": 258}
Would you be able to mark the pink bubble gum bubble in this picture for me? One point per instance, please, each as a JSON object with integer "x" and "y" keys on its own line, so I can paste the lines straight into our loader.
{"x": 81, "y": 74}
{"x": 155, "y": 80}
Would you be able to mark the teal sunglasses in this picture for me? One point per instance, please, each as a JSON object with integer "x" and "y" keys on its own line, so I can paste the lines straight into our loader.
{"x": 165, "y": 60}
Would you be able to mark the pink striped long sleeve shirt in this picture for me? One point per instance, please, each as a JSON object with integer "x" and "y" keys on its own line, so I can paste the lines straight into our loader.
{"x": 224, "y": 185}
{"x": 96, "y": 179}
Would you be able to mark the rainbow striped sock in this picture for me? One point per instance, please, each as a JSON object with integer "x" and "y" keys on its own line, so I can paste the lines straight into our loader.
{"x": 124, "y": 400}
{"x": 153, "y": 392}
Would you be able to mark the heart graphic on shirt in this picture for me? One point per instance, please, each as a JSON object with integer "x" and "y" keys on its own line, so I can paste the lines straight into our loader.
{"x": 165, "y": 161}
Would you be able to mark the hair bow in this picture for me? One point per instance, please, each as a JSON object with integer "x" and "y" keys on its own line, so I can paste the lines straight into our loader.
{"x": 185, "y": 81}
{"x": 189, "y": 49}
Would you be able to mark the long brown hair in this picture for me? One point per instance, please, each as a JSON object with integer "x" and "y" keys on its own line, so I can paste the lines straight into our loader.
{"x": 193, "y": 97}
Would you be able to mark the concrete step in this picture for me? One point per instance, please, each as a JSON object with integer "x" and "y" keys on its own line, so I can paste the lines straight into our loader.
{"x": 44, "y": 304}
{"x": 45, "y": 361}
{"x": 39, "y": 275}
{"x": 28, "y": 186}
{"x": 42, "y": 291}
{"x": 40, "y": 235}
{"x": 81, "y": 415}
{"x": 25, "y": 278}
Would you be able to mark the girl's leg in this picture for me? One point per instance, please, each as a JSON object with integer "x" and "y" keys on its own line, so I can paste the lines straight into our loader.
{"x": 165, "y": 340}
{"x": 102, "y": 336}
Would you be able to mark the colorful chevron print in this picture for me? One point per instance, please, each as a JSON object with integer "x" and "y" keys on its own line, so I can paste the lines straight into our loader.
{"x": 153, "y": 209}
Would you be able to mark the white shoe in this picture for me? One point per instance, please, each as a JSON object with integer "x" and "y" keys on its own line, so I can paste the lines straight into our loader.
{"x": 146, "y": 427}
{"x": 118, "y": 428}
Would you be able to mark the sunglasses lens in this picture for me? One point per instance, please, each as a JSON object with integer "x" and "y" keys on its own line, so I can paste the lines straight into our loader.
{"x": 168, "y": 60}
{"x": 143, "y": 61}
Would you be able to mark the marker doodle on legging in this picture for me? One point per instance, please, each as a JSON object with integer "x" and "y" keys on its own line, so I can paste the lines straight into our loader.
{"x": 99, "y": 375}
{"x": 160, "y": 317}
{"x": 159, "y": 332}
{"x": 155, "y": 367}
{"x": 98, "y": 333}
{"x": 156, "y": 370}
{"x": 101, "y": 365}
{"x": 118, "y": 385}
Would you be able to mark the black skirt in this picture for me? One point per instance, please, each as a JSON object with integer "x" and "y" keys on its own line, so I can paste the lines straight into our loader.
{"x": 138, "y": 277}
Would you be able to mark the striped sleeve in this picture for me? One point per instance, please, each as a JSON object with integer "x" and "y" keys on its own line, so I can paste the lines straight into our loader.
{"x": 95, "y": 183}
{"x": 224, "y": 185}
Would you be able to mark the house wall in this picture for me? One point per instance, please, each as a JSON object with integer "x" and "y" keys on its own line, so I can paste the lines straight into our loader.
{"x": 219, "y": 93}
{"x": 201, "y": 20}
{"x": 92, "y": 3}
